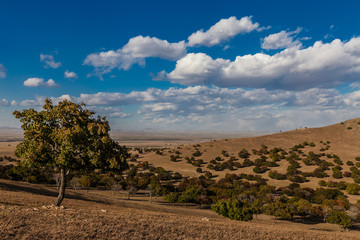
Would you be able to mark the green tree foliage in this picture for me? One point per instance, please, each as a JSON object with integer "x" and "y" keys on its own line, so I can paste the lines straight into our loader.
{"x": 233, "y": 209}
{"x": 172, "y": 197}
{"x": 353, "y": 188}
{"x": 339, "y": 218}
{"x": 302, "y": 207}
{"x": 191, "y": 194}
{"x": 337, "y": 172}
{"x": 68, "y": 137}
{"x": 280, "y": 209}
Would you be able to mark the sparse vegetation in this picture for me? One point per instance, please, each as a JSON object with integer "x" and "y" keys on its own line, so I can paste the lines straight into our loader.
{"x": 224, "y": 183}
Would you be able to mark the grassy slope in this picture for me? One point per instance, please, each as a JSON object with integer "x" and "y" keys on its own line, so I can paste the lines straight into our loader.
{"x": 344, "y": 142}
{"x": 84, "y": 218}
{"x": 100, "y": 216}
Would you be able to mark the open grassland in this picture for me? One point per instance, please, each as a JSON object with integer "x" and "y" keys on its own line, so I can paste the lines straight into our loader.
{"x": 342, "y": 139}
{"x": 25, "y": 211}
{"x": 25, "y": 214}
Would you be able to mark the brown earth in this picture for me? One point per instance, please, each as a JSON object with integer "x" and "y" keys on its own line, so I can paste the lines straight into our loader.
{"x": 25, "y": 213}
{"x": 100, "y": 215}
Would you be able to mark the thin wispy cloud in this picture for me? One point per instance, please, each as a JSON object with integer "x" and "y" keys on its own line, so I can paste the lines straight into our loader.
{"x": 209, "y": 106}
{"x": 49, "y": 61}
{"x": 2, "y": 71}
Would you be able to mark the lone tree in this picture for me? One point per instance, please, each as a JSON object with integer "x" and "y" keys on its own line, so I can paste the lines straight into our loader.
{"x": 68, "y": 137}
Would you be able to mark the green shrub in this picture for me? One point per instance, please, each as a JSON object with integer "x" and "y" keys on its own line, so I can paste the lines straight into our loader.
{"x": 296, "y": 178}
{"x": 258, "y": 169}
{"x": 172, "y": 197}
{"x": 280, "y": 209}
{"x": 244, "y": 153}
{"x": 353, "y": 188}
{"x": 225, "y": 153}
{"x": 322, "y": 183}
{"x": 233, "y": 209}
{"x": 339, "y": 218}
{"x": 276, "y": 175}
{"x": 350, "y": 163}
{"x": 197, "y": 153}
{"x": 247, "y": 163}
{"x": 337, "y": 173}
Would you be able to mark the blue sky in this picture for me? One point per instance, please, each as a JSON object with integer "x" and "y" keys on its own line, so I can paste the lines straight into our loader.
{"x": 184, "y": 65}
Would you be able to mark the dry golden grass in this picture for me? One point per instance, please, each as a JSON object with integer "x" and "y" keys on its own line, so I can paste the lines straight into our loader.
{"x": 99, "y": 215}
{"x": 344, "y": 142}
{"x": 24, "y": 214}
{"x": 7, "y": 148}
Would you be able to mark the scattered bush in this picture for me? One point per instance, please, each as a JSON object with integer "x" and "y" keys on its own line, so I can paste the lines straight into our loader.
{"x": 244, "y": 154}
{"x": 339, "y": 218}
{"x": 233, "y": 209}
{"x": 350, "y": 163}
{"x": 353, "y": 188}
{"x": 197, "y": 153}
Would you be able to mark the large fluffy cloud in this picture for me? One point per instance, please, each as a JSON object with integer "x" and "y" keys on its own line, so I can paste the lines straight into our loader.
{"x": 222, "y": 31}
{"x": 281, "y": 40}
{"x": 39, "y": 82}
{"x": 322, "y": 65}
{"x": 49, "y": 61}
{"x": 139, "y": 48}
{"x": 2, "y": 71}
{"x": 135, "y": 52}
{"x": 144, "y": 47}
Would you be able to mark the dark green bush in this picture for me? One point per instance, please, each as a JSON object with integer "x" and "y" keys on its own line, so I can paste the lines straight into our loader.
{"x": 233, "y": 209}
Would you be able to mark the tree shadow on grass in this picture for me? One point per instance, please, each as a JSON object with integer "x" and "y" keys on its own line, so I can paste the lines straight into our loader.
{"x": 44, "y": 192}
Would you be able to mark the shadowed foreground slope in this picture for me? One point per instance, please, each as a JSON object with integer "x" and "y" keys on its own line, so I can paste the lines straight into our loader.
{"x": 24, "y": 215}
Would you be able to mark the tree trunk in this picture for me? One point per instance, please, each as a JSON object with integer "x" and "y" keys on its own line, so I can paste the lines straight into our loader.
{"x": 62, "y": 187}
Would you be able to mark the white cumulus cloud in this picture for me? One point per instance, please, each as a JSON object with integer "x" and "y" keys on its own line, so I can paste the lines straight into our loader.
{"x": 39, "y": 82}
{"x": 321, "y": 65}
{"x": 144, "y": 47}
{"x": 135, "y": 52}
{"x": 281, "y": 40}
{"x": 222, "y": 31}
{"x": 49, "y": 61}
{"x": 69, "y": 74}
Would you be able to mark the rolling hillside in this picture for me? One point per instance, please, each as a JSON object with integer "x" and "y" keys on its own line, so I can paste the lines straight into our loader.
{"x": 342, "y": 139}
